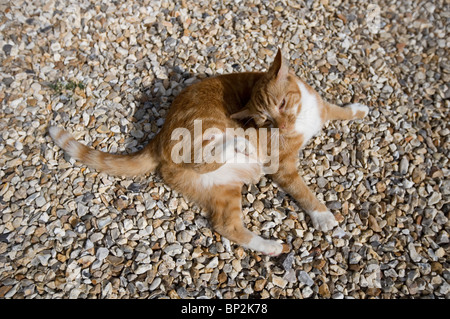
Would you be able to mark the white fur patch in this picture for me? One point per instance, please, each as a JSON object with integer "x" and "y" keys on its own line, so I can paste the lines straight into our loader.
{"x": 267, "y": 247}
{"x": 359, "y": 107}
{"x": 65, "y": 141}
{"x": 232, "y": 173}
{"x": 323, "y": 221}
{"x": 308, "y": 121}
{"x": 58, "y": 135}
{"x": 240, "y": 164}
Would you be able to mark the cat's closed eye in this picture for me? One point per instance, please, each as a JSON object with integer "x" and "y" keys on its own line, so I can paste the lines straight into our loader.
{"x": 282, "y": 105}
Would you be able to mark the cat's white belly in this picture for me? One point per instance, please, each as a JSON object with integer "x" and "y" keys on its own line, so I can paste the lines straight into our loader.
{"x": 240, "y": 163}
{"x": 230, "y": 173}
{"x": 308, "y": 122}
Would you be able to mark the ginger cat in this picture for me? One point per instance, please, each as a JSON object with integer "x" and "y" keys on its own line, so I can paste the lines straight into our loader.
{"x": 273, "y": 99}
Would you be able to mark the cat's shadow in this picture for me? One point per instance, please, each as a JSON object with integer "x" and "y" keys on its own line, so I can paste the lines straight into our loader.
{"x": 152, "y": 104}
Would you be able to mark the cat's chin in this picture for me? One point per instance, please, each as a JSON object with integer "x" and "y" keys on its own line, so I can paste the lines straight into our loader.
{"x": 323, "y": 221}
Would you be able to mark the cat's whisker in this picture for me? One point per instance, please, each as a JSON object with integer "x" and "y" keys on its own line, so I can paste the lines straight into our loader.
{"x": 248, "y": 121}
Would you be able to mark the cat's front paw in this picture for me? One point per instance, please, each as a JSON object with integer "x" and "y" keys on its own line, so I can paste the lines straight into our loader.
{"x": 359, "y": 110}
{"x": 323, "y": 221}
{"x": 267, "y": 247}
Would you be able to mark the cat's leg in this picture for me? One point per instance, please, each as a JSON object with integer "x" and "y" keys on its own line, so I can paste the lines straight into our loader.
{"x": 226, "y": 218}
{"x": 350, "y": 112}
{"x": 221, "y": 196}
{"x": 289, "y": 179}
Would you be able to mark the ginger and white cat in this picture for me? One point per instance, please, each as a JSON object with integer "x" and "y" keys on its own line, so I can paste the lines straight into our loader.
{"x": 273, "y": 99}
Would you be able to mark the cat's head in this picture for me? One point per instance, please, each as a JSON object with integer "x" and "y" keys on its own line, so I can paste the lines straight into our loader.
{"x": 275, "y": 99}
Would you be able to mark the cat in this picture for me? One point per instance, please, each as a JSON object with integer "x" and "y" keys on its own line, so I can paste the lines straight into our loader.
{"x": 276, "y": 99}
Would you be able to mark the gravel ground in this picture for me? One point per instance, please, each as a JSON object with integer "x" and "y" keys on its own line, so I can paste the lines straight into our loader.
{"x": 108, "y": 71}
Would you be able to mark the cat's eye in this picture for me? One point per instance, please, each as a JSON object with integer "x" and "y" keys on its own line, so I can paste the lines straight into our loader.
{"x": 283, "y": 103}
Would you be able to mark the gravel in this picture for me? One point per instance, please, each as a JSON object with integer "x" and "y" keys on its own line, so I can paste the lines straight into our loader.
{"x": 108, "y": 73}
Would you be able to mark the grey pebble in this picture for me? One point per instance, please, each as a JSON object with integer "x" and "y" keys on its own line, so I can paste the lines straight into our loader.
{"x": 304, "y": 277}
{"x": 102, "y": 253}
{"x": 404, "y": 165}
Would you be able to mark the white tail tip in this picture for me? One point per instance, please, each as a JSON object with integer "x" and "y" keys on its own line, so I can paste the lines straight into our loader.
{"x": 54, "y": 131}
{"x": 60, "y": 136}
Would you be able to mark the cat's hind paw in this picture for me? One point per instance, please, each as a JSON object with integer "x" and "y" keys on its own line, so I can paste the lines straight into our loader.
{"x": 359, "y": 110}
{"x": 323, "y": 221}
{"x": 267, "y": 247}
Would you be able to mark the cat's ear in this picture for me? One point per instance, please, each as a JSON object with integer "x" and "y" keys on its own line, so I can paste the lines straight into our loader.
{"x": 242, "y": 114}
{"x": 279, "y": 68}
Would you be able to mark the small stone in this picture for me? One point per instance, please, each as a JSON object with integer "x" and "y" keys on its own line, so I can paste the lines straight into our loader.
{"x": 418, "y": 175}
{"x": 258, "y": 206}
{"x": 338, "y": 295}
{"x": 134, "y": 187}
{"x": 18, "y": 145}
{"x": 279, "y": 281}
{"x": 404, "y": 165}
{"x": 184, "y": 237}
{"x": 259, "y": 284}
{"x": 444, "y": 289}
{"x": 381, "y": 187}
{"x": 155, "y": 284}
{"x": 288, "y": 261}
{"x": 160, "y": 122}
{"x": 104, "y": 221}
{"x": 143, "y": 269}
{"x": 436, "y": 267}
{"x": 319, "y": 264}
{"x": 304, "y": 277}
{"x": 114, "y": 260}
{"x": 15, "y": 103}
{"x": 7, "y": 81}
{"x": 307, "y": 292}
{"x": 321, "y": 182}
{"x": 324, "y": 291}
{"x": 268, "y": 225}
{"x": 354, "y": 258}
{"x": 339, "y": 232}
{"x": 4, "y": 290}
{"x": 413, "y": 253}
{"x": 95, "y": 237}
{"x": 334, "y": 205}
{"x": 115, "y": 129}
{"x": 102, "y": 253}
{"x": 120, "y": 204}
{"x": 7, "y": 49}
{"x": 86, "y": 261}
{"x": 82, "y": 210}
{"x": 213, "y": 263}
{"x": 434, "y": 198}
{"x": 391, "y": 219}
{"x": 137, "y": 133}
{"x": 103, "y": 129}
{"x": 373, "y": 224}
{"x": 289, "y": 276}
{"x": 442, "y": 238}
{"x": 40, "y": 201}
{"x": 419, "y": 77}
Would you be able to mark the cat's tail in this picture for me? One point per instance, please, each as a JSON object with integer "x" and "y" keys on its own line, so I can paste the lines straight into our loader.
{"x": 142, "y": 162}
